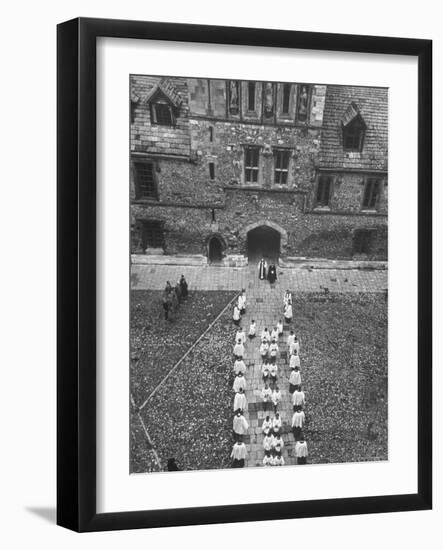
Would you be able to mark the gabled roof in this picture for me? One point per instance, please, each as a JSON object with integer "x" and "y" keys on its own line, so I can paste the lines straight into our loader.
{"x": 352, "y": 113}
{"x": 167, "y": 90}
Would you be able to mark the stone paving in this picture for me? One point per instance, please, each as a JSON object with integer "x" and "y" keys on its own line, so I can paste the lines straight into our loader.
{"x": 265, "y": 306}
{"x": 154, "y": 277}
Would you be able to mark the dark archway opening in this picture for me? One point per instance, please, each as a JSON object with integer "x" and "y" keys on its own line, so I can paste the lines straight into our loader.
{"x": 215, "y": 250}
{"x": 263, "y": 242}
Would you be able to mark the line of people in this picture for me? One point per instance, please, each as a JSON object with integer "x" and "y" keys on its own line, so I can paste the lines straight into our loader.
{"x": 240, "y": 425}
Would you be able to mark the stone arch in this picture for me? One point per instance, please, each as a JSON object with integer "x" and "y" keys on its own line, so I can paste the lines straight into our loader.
{"x": 215, "y": 247}
{"x": 264, "y": 239}
{"x": 272, "y": 225}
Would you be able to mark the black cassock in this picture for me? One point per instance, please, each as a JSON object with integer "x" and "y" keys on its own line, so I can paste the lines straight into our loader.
{"x": 262, "y": 269}
{"x": 272, "y": 273}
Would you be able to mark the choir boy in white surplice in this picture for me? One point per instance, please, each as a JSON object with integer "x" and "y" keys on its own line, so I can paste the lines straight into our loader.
{"x": 239, "y": 350}
{"x": 276, "y": 397}
{"x": 240, "y": 401}
{"x": 291, "y": 339}
{"x": 273, "y": 372}
{"x": 276, "y": 424}
{"x": 267, "y": 460}
{"x": 236, "y": 315}
{"x": 252, "y": 329}
{"x": 238, "y": 454}
{"x": 278, "y": 460}
{"x": 280, "y": 328}
{"x": 265, "y": 371}
{"x": 298, "y": 397}
{"x": 267, "y": 442}
{"x": 288, "y": 313}
{"x": 239, "y": 383}
{"x": 295, "y": 346}
{"x": 241, "y": 302}
{"x": 239, "y": 367}
{"x": 278, "y": 444}
{"x": 274, "y": 334}
{"x": 294, "y": 360}
{"x": 298, "y": 418}
{"x": 264, "y": 348}
{"x": 266, "y": 394}
{"x": 273, "y": 350}
{"x": 287, "y": 298}
{"x": 240, "y": 335}
{"x": 265, "y": 336}
{"x": 301, "y": 451}
{"x": 294, "y": 379}
{"x": 239, "y": 425}
{"x": 267, "y": 425}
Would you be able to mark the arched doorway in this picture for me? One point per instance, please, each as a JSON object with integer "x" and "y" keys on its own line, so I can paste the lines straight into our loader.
{"x": 263, "y": 241}
{"x": 215, "y": 250}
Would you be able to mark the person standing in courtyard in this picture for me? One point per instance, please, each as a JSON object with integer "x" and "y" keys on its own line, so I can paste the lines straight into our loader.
{"x": 241, "y": 302}
{"x": 276, "y": 424}
{"x": 272, "y": 274}
{"x": 265, "y": 372}
{"x": 262, "y": 266}
{"x": 273, "y": 351}
{"x": 274, "y": 334}
{"x": 298, "y": 421}
{"x": 239, "y": 367}
{"x": 276, "y": 398}
{"x": 239, "y": 350}
{"x": 287, "y": 298}
{"x": 265, "y": 336}
{"x": 264, "y": 348}
{"x": 273, "y": 373}
{"x": 184, "y": 287}
{"x": 266, "y": 395}
{"x": 240, "y": 335}
{"x": 298, "y": 397}
{"x": 294, "y": 379}
{"x": 236, "y": 315}
{"x": 252, "y": 330}
{"x": 239, "y": 426}
{"x": 280, "y": 328}
{"x": 238, "y": 454}
{"x": 288, "y": 313}
{"x": 239, "y": 383}
{"x": 294, "y": 360}
{"x": 240, "y": 401}
{"x": 294, "y": 346}
{"x": 267, "y": 425}
{"x": 301, "y": 451}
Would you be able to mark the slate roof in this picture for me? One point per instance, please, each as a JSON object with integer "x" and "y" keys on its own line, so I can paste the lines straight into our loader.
{"x": 166, "y": 88}
{"x": 343, "y": 104}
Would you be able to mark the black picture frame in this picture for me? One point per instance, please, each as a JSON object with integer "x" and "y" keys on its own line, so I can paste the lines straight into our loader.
{"x": 76, "y": 279}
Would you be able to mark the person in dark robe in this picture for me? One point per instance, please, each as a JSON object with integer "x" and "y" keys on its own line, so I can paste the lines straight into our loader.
{"x": 168, "y": 287}
{"x": 172, "y": 465}
{"x": 272, "y": 274}
{"x": 262, "y": 269}
{"x": 184, "y": 287}
{"x": 166, "y": 303}
{"x": 178, "y": 291}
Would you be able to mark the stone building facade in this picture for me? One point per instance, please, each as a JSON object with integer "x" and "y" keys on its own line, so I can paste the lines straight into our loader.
{"x": 230, "y": 170}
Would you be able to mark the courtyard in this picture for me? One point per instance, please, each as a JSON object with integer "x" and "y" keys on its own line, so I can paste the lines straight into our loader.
{"x": 181, "y": 370}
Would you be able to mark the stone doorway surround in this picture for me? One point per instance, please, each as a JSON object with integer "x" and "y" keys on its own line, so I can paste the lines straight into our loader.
{"x": 265, "y": 223}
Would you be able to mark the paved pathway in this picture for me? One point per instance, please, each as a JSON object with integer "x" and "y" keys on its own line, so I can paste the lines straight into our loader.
{"x": 265, "y": 306}
{"x": 153, "y": 277}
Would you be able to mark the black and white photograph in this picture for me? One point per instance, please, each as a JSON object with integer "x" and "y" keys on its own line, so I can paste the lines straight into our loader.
{"x": 259, "y": 273}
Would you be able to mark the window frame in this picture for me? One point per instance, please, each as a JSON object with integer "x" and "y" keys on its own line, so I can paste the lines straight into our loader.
{"x": 285, "y": 86}
{"x": 137, "y": 185}
{"x": 143, "y": 228}
{"x": 361, "y": 137}
{"x": 248, "y": 84}
{"x": 368, "y": 240}
{"x": 320, "y": 203}
{"x": 276, "y": 152}
{"x": 154, "y": 115}
{"x": 372, "y": 204}
{"x": 251, "y": 168}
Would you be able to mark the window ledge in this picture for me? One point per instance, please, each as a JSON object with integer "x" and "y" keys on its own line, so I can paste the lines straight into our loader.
{"x": 322, "y": 208}
{"x": 368, "y": 211}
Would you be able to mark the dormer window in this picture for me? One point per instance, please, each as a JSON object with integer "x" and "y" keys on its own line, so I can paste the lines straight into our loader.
{"x": 354, "y": 128}
{"x": 164, "y": 103}
{"x": 161, "y": 113}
